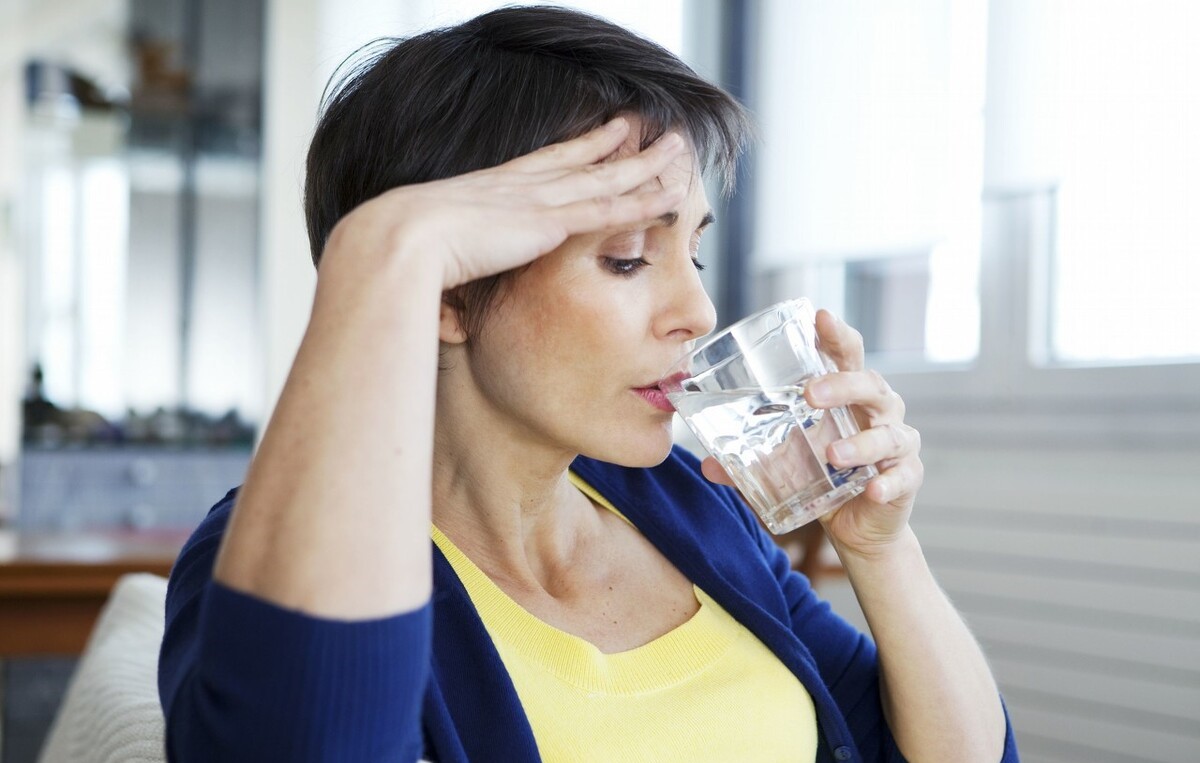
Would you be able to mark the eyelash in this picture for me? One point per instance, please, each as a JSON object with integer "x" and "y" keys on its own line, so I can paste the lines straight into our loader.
{"x": 629, "y": 266}
{"x": 625, "y": 266}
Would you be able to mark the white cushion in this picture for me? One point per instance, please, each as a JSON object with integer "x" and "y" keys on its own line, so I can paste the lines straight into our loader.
{"x": 111, "y": 712}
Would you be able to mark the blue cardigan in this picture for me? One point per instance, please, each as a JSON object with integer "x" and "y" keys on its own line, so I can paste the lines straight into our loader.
{"x": 242, "y": 679}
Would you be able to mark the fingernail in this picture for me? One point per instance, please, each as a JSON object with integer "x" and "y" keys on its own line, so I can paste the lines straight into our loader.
{"x": 615, "y": 124}
{"x": 844, "y": 451}
{"x": 818, "y": 393}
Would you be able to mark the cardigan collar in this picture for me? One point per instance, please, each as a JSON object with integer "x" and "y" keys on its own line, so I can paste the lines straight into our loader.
{"x": 674, "y": 509}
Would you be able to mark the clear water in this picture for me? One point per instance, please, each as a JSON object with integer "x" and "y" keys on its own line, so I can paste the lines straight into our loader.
{"x": 773, "y": 445}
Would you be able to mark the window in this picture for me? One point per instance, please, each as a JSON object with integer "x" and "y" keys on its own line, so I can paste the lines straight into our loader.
{"x": 870, "y": 170}
{"x": 1043, "y": 246}
{"x": 1126, "y": 259}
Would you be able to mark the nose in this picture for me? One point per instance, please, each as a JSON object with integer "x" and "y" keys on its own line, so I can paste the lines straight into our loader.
{"x": 688, "y": 313}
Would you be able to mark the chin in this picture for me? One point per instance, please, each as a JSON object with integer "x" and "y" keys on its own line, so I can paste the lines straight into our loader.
{"x": 635, "y": 449}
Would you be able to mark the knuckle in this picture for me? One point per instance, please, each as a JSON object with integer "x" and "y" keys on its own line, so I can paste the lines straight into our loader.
{"x": 916, "y": 473}
{"x": 601, "y": 176}
{"x": 879, "y": 383}
{"x": 552, "y": 150}
{"x": 887, "y": 465}
{"x": 855, "y": 338}
{"x": 914, "y": 436}
{"x": 604, "y": 205}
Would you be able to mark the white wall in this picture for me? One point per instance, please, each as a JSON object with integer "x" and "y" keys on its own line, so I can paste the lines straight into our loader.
{"x": 306, "y": 41}
{"x": 1078, "y": 571}
{"x": 1061, "y": 508}
{"x": 871, "y": 125}
{"x": 12, "y": 303}
{"x": 80, "y": 31}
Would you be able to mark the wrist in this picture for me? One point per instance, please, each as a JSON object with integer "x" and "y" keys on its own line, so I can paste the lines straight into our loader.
{"x": 372, "y": 241}
{"x": 902, "y": 548}
{"x": 356, "y": 265}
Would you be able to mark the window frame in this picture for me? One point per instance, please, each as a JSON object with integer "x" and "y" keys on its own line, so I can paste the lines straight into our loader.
{"x": 1007, "y": 388}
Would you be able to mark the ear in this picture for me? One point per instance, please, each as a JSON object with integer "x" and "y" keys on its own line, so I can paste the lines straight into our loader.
{"x": 450, "y": 328}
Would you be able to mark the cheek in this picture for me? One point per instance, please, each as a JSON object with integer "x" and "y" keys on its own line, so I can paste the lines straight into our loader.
{"x": 531, "y": 344}
{"x": 566, "y": 323}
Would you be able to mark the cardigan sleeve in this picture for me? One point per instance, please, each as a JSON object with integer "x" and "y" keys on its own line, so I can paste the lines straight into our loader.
{"x": 846, "y": 658}
{"x": 243, "y": 679}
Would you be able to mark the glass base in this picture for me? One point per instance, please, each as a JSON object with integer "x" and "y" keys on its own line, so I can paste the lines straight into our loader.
{"x": 803, "y": 508}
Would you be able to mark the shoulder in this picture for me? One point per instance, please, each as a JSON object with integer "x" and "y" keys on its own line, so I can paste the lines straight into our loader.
{"x": 193, "y": 567}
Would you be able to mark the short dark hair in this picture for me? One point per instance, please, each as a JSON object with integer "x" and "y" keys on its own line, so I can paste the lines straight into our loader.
{"x": 475, "y": 95}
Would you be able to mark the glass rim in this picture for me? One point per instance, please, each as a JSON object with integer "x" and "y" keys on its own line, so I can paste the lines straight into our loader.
{"x": 677, "y": 374}
{"x": 709, "y": 339}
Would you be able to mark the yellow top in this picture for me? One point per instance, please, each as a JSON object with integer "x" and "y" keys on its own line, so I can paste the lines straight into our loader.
{"x": 706, "y": 691}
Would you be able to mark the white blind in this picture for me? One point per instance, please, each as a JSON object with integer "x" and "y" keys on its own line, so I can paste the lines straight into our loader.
{"x": 871, "y": 116}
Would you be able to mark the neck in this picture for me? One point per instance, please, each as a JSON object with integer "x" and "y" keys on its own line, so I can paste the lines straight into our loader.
{"x": 505, "y": 500}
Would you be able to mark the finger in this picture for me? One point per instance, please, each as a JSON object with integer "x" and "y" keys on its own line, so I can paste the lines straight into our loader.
{"x": 875, "y": 445}
{"x": 897, "y": 484}
{"x": 589, "y": 148}
{"x": 602, "y": 212}
{"x": 840, "y": 342}
{"x": 613, "y": 178}
{"x": 867, "y": 389}
{"x": 714, "y": 472}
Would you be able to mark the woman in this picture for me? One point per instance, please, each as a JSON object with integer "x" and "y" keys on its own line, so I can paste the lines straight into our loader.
{"x": 506, "y": 217}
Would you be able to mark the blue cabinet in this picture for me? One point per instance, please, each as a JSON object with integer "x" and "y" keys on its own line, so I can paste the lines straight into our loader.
{"x": 138, "y": 488}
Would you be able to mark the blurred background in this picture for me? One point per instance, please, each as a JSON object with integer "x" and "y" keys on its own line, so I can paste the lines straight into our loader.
{"x": 1001, "y": 195}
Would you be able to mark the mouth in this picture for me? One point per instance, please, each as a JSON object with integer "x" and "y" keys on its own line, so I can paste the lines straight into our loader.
{"x": 671, "y": 382}
{"x": 655, "y": 397}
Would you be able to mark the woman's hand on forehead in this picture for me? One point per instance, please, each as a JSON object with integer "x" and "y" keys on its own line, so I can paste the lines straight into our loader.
{"x": 492, "y": 220}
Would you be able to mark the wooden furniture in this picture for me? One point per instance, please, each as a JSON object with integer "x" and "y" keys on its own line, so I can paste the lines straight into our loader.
{"x": 52, "y": 586}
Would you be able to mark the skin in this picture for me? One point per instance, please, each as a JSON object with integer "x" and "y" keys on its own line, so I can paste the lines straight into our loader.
{"x": 938, "y": 693}
{"x": 552, "y": 376}
{"x": 334, "y": 516}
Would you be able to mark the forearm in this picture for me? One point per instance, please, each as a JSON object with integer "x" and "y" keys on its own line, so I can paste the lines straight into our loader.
{"x": 938, "y": 692}
{"x": 333, "y": 519}
{"x": 334, "y": 516}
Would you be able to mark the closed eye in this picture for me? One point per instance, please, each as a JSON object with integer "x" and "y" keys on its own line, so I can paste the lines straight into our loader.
{"x": 623, "y": 266}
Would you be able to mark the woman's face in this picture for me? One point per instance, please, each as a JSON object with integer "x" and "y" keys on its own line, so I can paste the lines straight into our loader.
{"x": 572, "y": 353}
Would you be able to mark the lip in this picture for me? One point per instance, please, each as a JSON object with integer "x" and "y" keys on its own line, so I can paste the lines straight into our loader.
{"x": 655, "y": 397}
{"x": 671, "y": 381}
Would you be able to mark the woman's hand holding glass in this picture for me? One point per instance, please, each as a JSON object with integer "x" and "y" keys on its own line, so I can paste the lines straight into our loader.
{"x": 872, "y": 521}
{"x": 492, "y": 220}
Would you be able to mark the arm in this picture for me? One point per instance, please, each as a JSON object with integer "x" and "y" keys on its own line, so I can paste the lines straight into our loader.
{"x": 935, "y": 687}
{"x": 937, "y": 690}
{"x": 334, "y": 516}
{"x": 327, "y": 548}
{"x": 223, "y": 652}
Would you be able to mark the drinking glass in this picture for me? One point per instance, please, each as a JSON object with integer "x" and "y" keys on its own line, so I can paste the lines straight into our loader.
{"x": 742, "y": 395}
